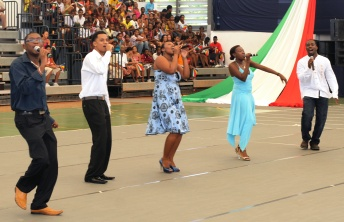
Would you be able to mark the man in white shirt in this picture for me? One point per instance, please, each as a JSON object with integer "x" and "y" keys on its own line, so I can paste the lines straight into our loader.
{"x": 96, "y": 106}
{"x": 316, "y": 79}
{"x": 137, "y": 40}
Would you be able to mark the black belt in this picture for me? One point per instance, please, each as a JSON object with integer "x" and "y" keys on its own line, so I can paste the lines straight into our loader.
{"x": 94, "y": 97}
{"x": 34, "y": 112}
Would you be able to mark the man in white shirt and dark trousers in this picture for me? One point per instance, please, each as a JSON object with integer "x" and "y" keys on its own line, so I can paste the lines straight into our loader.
{"x": 316, "y": 79}
{"x": 96, "y": 106}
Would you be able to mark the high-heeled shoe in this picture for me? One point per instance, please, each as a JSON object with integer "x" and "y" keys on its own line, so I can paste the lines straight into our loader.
{"x": 241, "y": 155}
{"x": 165, "y": 169}
{"x": 175, "y": 169}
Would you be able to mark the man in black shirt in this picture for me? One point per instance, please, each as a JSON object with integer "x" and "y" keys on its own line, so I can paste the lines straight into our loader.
{"x": 32, "y": 119}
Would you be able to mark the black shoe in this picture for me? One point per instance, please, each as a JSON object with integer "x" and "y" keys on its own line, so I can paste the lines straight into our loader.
{"x": 314, "y": 146}
{"x": 304, "y": 145}
{"x": 97, "y": 180}
{"x": 106, "y": 177}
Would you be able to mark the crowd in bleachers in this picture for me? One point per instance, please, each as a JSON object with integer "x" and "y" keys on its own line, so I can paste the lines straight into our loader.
{"x": 137, "y": 33}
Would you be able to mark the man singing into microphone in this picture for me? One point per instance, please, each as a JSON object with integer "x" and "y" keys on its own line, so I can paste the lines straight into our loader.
{"x": 316, "y": 79}
{"x": 96, "y": 106}
{"x": 32, "y": 118}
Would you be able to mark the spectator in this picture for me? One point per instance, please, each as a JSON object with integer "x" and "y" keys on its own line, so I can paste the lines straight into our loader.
{"x": 136, "y": 59}
{"x": 67, "y": 12}
{"x": 118, "y": 68}
{"x": 137, "y": 40}
{"x": 201, "y": 33}
{"x": 182, "y": 25}
{"x": 45, "y": 38}
{"x": 169, "y": 11}
{"x": 150, "y": 7}
{"x": 147, "y": 60}
{"x": 216, "y": 52}
{"x": 118, "y": 42}
{"x": 127, "y": 23}
{"x": 79, "y": 19}
{"x": 136, "y": 10}
{"x": 60, "y": 5}
{"x": 157, "y": 53}
{"x": 51, "y": 68}
{"x": 127, "y": 43}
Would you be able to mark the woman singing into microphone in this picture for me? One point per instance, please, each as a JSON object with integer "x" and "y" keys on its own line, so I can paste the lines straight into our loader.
{"x": 242, "y": 113}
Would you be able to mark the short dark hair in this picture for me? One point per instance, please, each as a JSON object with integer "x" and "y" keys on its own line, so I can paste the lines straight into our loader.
{"x": 28, "y": 35}
{"x": 169, "y": 7}
{"x": 95, "y": 35}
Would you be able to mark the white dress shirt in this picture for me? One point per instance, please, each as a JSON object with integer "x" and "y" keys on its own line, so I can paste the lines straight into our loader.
{"x": 315, "y": 83}
{"x": 94, "y": 75}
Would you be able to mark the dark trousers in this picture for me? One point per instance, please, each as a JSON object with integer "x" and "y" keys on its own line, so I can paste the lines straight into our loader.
{"x": 321, "y": 106}
{"x": 43, "y": 169}
{"x": 98, "y": 118}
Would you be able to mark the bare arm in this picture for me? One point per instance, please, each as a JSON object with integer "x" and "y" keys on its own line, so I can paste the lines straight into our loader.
{"x": 269, "y": 70}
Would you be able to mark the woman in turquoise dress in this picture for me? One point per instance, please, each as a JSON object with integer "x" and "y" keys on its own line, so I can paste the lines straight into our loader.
{"x": 242, "y": 115}
{"x": 168, "y": 112}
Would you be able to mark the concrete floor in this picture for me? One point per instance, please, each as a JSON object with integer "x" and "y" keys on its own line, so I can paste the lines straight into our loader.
{"x": 280, "y": 183}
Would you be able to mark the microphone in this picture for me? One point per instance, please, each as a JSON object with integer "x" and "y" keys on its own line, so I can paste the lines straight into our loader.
{"x": 312, "y": 64}
{"x": 37, "y": 48}
{"x": 253, "y": 55}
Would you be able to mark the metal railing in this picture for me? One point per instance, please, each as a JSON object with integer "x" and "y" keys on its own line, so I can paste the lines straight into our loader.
{"x": 11, "y": 13}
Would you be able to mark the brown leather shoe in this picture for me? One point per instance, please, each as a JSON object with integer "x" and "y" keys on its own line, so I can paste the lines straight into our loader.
{"x": 20, "y": 198}
{"x": 47, "y": 211}
{"x": 304, "y": 145}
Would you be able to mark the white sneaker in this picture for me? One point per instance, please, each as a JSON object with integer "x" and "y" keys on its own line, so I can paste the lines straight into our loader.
{"x": 47, "y": 85}
{"x": 218, "y": 66}
{"x": 149, "y": 80}
{"x": 55, "y": 84}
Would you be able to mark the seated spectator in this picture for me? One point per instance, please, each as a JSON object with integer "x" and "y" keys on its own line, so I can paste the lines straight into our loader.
{"x": 157, "y": 53}
{"x": 136, "y": 10}
{"x": 2, "y": 15}
{"x": 51, "y": 68}
{"x": 150, "y": 7}
{"x": 137, "y": 40}
{"x": 119, "y": 67}
{"x": 127, "y": 23}
{"x": 127, "y": 43}
{"x": 147, "y": 61}
{"x": 201, "y": 33}
{"x": 215, "y": 52}
{"x": 136, "y": 59}
{"x": 45, "y": 38}
{"x": 117, "y": 42}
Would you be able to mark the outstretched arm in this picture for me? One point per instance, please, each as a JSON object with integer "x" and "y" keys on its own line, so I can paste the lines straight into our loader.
{"x": 269, "y": 70}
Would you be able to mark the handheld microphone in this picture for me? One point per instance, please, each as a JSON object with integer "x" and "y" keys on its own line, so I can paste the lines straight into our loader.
{"x": 253, "y": 55}
{"x": 312, "y": 64}
{"x": 37, "y": 48}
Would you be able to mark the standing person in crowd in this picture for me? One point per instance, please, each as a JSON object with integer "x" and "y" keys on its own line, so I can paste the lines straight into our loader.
{"x": 242, "y": 115}
{"x": 96, "y": 106}
{"x": 2, "y": 15}
{"x": 33, "y": 120}
{"x": 168, "y": 112}
{"x": 317, "y": 80}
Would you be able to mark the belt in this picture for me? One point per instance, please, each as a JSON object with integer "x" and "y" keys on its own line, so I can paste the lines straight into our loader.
{"x": 34, "y": 112}
{"x": 94, "y": 97}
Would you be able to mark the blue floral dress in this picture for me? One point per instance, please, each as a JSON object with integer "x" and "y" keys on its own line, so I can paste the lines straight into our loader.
{"x": 168, "y": 112}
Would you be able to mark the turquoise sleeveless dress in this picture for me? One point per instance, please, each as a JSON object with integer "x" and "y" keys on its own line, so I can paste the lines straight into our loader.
{"x": 167, "y": 113}
{"x": 242, "y": 115}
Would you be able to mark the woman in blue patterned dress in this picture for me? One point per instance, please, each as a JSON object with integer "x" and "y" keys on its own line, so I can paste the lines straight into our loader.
{"x": 242, "y": 115}
{"x": 168, "y": 112}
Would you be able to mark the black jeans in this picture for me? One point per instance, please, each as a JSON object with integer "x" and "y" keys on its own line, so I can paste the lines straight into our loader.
{"x": 43, "y": 169}
{"x": 98, "y": 118}
{"x": 321, "y": 106}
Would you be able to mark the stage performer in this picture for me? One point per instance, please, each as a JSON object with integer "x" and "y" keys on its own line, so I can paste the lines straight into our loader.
{"x": 33, "y": 120}
{"x": 168, "y": 112}
{"x": 317, "y": 80}
{"x": 242, "y": 115}
{"x": 96, "y": 106}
